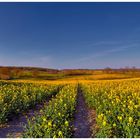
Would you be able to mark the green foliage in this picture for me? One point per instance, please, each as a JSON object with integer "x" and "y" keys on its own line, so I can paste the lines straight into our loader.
{"x": 117, "y": 105}
{"x": 17, "y": 97}
{"x": 55, "y": 118}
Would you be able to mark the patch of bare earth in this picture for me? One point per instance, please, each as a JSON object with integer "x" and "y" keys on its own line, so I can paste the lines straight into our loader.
{"x": 84, "y": 122}
{"x": 92, "y": 122}
{"x": 15, "y": 127}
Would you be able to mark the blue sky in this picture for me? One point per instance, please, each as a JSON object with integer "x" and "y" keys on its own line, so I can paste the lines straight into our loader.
{"x": 70, "y": 35}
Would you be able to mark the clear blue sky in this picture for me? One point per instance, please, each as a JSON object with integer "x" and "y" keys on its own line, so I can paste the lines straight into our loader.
{"x": 70, "y": 35}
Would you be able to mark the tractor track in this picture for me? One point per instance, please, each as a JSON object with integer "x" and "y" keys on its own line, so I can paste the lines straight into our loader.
{"x": 15, "y": 126}
{"x": 84, "y": 118}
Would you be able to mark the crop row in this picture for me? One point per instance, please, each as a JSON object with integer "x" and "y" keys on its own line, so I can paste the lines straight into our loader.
{"x": 55, "y": 118}
{"x": 17, "y": 97}
{"x": 117, "y": 104}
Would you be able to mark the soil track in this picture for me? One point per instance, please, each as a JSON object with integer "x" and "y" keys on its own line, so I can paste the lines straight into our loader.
{"x": 84, "y": 118}
{"x": 14, "y": 127}
{"x": 83, "y": 123}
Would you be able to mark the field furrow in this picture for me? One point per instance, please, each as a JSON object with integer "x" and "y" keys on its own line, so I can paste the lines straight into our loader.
{"x": 55, "y": 119}
{"x": 12, "y": 121}
{"x": 15, "y": 127}
{"x": 19, "y": 97}
{"x": 83, "y": 118}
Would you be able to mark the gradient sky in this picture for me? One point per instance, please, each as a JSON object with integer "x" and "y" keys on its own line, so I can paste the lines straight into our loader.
{"x": 70, "y": 35}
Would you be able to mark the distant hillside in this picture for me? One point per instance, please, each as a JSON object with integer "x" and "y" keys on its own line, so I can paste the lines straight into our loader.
{"x": 8, "y": 73}
{"x": 31, "y": 69}
{"x": 25, "y": 72}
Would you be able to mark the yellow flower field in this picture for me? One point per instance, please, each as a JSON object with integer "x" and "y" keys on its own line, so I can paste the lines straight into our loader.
{"x": 116, "y": 102}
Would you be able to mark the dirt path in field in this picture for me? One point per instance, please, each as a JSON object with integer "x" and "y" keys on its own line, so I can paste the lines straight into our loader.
{"x": 14, "y": 127}
{"x": 84, "y": 118}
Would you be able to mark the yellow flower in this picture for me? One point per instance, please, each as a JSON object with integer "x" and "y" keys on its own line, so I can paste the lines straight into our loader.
{"x": 66, "y": 123}
{"x": 114, "y": 124}
{"x": 54, "y": 125}
{"x": 130, "y": 119}
{"x": 104, "y": 123}
{"x": 119, "y": 118}
{"x": 50, "y": 123}
{"x": 44, "y": 119}
{"x": 136, "y": 106}
{"x": 60, "y": 134}
{"x": 100, "y": 116}
{"x": 124, "y": 105}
